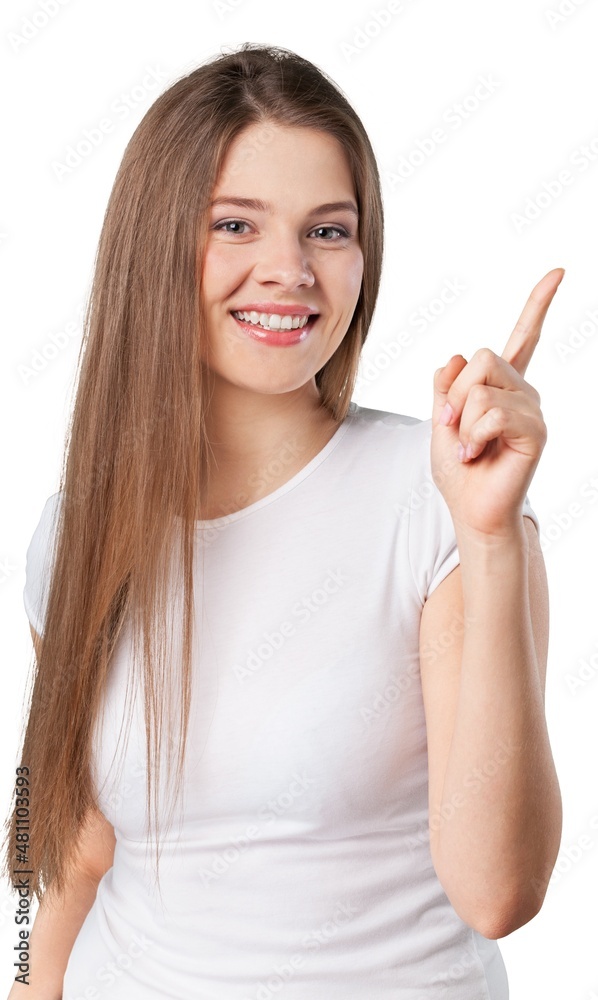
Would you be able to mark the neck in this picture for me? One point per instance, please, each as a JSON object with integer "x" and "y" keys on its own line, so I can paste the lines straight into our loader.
{"x": 259, "y": 441}
{"x": 244, "y": 426}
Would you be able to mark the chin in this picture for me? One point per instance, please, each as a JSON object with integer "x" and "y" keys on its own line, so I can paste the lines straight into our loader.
{"x": 267, "y": 383}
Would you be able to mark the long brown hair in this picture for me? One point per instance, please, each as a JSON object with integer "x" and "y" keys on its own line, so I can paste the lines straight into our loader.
{"x": 137, "y": 440}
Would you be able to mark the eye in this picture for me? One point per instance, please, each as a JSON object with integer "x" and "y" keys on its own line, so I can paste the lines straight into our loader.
{"x": 338, "y": 229}
{"x": 230, "y": 222}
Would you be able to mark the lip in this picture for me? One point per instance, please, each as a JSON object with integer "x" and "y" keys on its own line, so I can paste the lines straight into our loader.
{"x": 277, "y": 338}
{"x": 276, "y": 307}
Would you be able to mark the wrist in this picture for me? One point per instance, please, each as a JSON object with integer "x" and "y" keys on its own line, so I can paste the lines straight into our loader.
{"x": 512, "y": 536}
{"x": 484, "y": 554}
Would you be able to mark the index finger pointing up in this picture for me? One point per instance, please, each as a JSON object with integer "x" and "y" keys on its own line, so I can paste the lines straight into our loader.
{"x": 526, "y": 333}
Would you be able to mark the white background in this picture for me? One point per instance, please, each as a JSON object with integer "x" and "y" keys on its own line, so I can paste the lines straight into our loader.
{"x": 452, "y": 219}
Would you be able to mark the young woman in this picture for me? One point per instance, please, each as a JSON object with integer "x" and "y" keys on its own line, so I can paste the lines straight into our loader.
{"x": 333, "y": 620}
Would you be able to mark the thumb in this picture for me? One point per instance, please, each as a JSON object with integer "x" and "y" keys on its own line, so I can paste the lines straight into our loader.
{"x": 443, "y": 380}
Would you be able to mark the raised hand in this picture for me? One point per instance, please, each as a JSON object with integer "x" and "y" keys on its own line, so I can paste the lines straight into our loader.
{"x": 488, "y": 432}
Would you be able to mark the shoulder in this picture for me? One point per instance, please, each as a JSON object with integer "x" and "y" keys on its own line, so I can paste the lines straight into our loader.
{"x": 367, "y": 416}
{"x": 398, "y": 442}
{"x": 39, "y": 560}
{"x": 397, "y": 430}
{"x": 399, "y": 446}
{"x": 46, "y": 526}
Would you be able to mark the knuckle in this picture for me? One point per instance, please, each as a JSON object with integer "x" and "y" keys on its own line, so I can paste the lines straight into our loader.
{"x": 534, "y": 393}
{"x": 521, "y": 326}
{"x": 479, "y": 393}
{"x": 498, "y": 415}
{"x": 485, "y": 356}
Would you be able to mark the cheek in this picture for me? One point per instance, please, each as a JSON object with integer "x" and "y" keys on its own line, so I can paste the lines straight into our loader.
{"x": 340, "y": 272}
{"x": 358, "y": 268}
{"x": 352, "y": 276}
{"x": 220, "y": 272}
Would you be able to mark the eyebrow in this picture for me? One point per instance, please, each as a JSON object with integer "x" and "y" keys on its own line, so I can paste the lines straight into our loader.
{"x": 262, "y": 206}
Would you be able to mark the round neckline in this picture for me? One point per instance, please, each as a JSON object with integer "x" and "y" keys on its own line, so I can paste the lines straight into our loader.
{"x": 295, "y": 480}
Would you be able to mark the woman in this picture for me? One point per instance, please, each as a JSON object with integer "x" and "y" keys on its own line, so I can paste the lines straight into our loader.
{"x": 329, "y": 613}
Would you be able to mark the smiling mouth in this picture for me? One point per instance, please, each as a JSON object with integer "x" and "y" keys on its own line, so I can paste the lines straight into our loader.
{"x": 285, "y": 322}
{"x": 277, "y": 337}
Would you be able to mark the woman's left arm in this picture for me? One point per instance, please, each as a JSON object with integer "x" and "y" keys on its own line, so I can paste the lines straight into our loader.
{"x": 495, "y": 803}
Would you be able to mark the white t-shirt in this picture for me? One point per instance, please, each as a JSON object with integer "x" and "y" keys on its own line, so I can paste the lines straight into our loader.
{"x": 299, "y": 863}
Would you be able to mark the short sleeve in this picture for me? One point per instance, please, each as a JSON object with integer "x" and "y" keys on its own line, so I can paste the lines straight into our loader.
{"x": 433, "y": 551}
{"x": 38, "y": 565}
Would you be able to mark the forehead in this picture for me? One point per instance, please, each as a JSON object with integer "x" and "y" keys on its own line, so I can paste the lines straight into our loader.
{"x": 261, "y": 136}
{"x": 295, "y": 158}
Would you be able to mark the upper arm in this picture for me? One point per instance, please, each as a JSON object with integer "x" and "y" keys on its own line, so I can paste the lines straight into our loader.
{"x": 441, "y": 650}
{"x": 97, "y": 840}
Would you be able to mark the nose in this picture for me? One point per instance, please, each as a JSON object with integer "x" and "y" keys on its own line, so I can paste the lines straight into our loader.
{"x": 282, "y": 259}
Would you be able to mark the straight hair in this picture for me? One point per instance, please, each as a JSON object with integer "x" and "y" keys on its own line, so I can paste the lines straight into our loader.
{"x": 131, "y": 484}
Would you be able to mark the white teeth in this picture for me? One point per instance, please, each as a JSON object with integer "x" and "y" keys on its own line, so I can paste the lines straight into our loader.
{"x": 272, "y": 321}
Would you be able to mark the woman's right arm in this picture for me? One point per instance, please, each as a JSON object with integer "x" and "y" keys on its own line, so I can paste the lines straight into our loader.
{"x": 59, "y": 917}
{"x": 57, "y": 922}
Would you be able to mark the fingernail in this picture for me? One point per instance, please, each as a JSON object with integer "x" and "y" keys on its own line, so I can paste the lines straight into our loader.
{"x": 447, "y": 414}
{"x": 461, "y": 452}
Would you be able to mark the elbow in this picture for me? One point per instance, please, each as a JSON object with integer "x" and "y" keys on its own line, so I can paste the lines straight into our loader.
{"x": 495, "y": 914}
{"x": 515, "y": 904}
{"x": 525, "y": 902}
{"x": 503, "y": 920}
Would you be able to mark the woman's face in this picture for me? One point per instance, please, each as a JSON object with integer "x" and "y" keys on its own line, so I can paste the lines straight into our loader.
{"x": 287, "y": 252}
